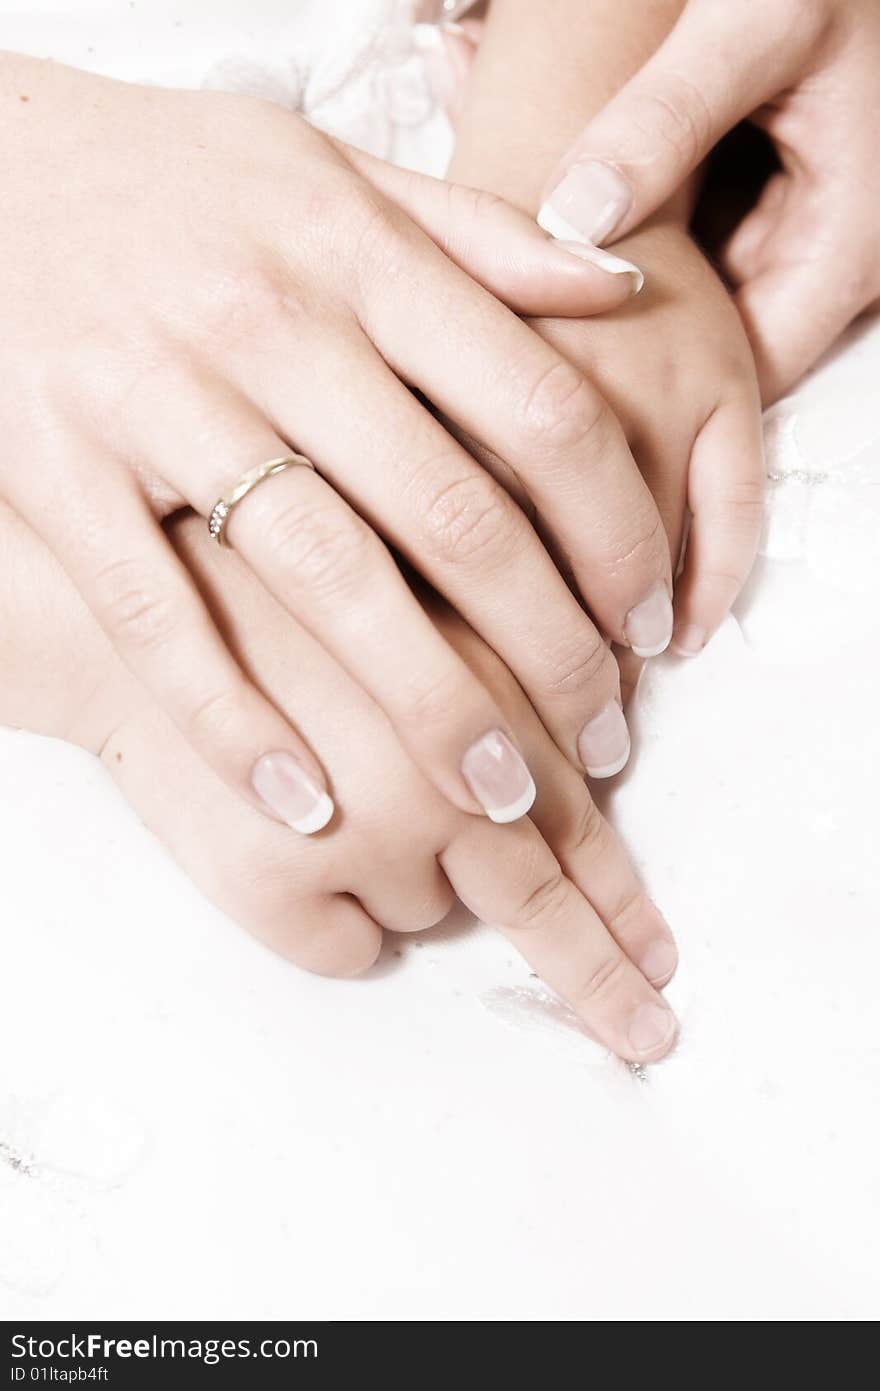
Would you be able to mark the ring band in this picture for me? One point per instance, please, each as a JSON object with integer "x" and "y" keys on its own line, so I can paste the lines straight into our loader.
{"x": 219, "y": 518}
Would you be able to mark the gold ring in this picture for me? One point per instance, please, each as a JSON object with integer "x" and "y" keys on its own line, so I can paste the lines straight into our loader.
{"x": 219, "y": 518}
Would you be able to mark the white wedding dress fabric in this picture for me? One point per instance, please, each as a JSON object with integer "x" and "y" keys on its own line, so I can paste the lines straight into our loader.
{"x": 189, "y": 1127}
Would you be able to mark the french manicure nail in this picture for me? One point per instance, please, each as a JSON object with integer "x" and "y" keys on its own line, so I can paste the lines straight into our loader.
{"x": 658, "y": 961}
{"x": 613, "y": 265}
{"x": 648, "y": 626}
{"x": 650, "y": 1027}
{"x": 587, "y": 204}
{"x": 291, "y": 793}
{"x": 689, "y": 640}
{"x": 603, "y": 743}
{"x": 498, "y": 777}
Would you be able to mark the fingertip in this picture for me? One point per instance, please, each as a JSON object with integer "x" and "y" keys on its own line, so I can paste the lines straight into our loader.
{"x": 571, "y": 279}
{"x": 689, "y": 639}
{"x": 629, "y": 278}
{"x": 652, "y": 1032}
{"x": 341, "y": 942}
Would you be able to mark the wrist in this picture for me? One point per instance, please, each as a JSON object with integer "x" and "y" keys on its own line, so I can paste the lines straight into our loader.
{"x": 540, "y": 73}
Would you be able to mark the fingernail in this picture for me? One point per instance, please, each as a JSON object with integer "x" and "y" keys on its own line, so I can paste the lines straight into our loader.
{"x": 614, "y": 265}
{"x": 658, "y": 961}
{"x": 589, "y": 201}
{"x": 289, "y": 791}
{"x": 498, "y": 777}
{"x": 650, "y": 1028}
{"x": 689, "y": 640}
{"x": 648, "y": 626}
{"x": 603, "y": 743}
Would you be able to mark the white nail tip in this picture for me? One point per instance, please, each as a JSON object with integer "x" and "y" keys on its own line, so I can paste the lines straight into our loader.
{"x": 651, "y": 651}
{"x": 614, "y": 265}
{"x": 552, "y": 222}
{"x": 502, "y": 815}
{"x": 316, "y": 819}
{"x": 577, "y": 245}
{"x": 610, "y": 770}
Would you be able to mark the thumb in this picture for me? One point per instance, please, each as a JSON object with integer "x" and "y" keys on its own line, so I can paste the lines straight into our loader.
{"x": 715, "y": 68}
{"x": 503, "y": 248}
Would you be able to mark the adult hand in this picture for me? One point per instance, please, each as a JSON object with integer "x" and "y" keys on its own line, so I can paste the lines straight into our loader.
{"x": 195, "y": 284}
{"x": 806, "y": 260}
{"x": 558, "y": 884}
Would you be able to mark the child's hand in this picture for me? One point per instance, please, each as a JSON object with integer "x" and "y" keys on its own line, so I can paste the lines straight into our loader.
{"x": 559, "y": 885}
{"x": 806, "y": 260}
{"x": 674, "y": 363}
{"x": 677, "y": 370}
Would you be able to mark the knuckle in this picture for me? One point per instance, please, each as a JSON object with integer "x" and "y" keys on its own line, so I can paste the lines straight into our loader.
{"x": 212, "y": 716}
{"x": 236, "y": 302}
{"x": 588, "y": 830}
{"x": 678, "y": 116}
{"x": 627, "y": 913}
{"x": 584, "y": 668}
{"x": 425, "y": 911}
{"x": 434, "y": 701}
{"x": 561, "y": 411}
{"x": 470, "y": 518}
{"x": 542, "y": 903}
{"x": 476, "y": 203}
{"x": 136, "y": 611}
{"x": 323, "y": 548}
{"x": 376, "y": 241}
{"x": 606, "y": 977}
{"x": 648, "y": 550}
{"x": 744, "y": 500}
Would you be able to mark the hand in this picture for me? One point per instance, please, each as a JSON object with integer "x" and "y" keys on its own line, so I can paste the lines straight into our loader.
{"x": 397, "y": 851}
{"x": 194, "y": 283}
{"x": 677, "y": 370}
{"x": 806, "y": 260}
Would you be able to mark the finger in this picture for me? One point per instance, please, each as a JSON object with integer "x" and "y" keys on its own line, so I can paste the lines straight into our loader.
{"x": 142, "y": 596}
{"x": 794, "y": 312}
{"x": 454, "y": 523}
{"x": 559, "y": 933}
{"x": 503, "y": 248}
{"x": 238, "y": 859}
{"x": 566, "y": 816}
{"x": 408, "y": 897}
{"x": 725, "y": 492}
{"x": 714, "y": 69}
{"x": 594, "y": 860}
{"x": 331, "y": 571}
{"x": 534, "y": 409}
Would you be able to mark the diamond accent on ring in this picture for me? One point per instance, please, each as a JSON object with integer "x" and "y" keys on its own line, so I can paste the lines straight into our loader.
{"x": 223, "y": 508}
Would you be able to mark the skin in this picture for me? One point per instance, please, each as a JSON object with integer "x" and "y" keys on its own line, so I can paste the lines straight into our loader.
{"x": 558, "y": 885}
{"x": 188, "y": 310}
{"x": 804, "y": 261}
{"x": 674, "y": 362}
